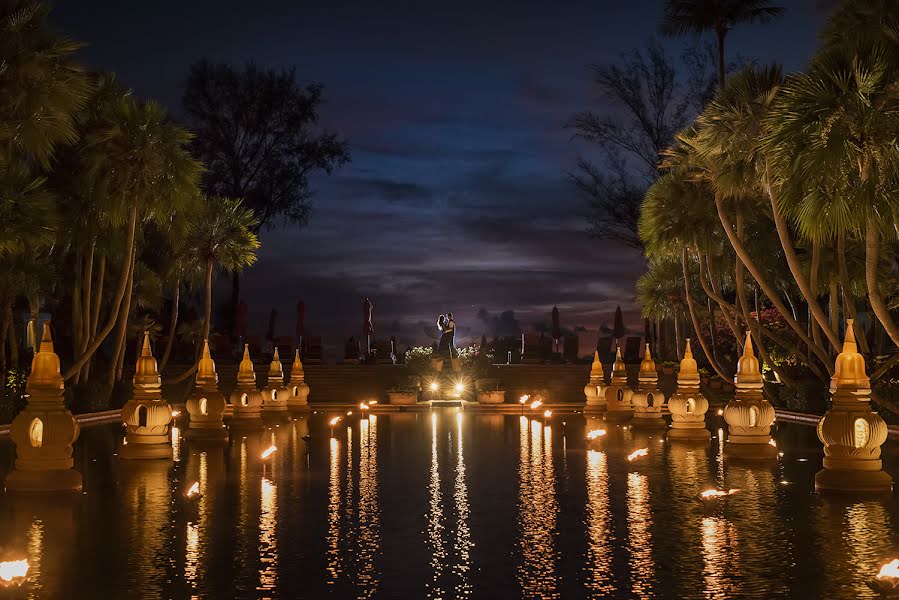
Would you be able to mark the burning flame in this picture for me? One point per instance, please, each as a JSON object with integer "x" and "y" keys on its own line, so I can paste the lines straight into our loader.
{"x": 373, "y": 402}
{"x": 772, "y": 443}
{"x": 720, "y": 412}
{"x": 363, "y": 406}
{"x": 536, "y": 404}
{"x": 596, "y": 434}
{"x": 13, "y": 569}
{"x": 889, "y": 570}
{"x": 349, "y": 412}
{"x": 637, "y": 454}
{"x": 334, "y": 421}
{"x": 176, "y": 413}
{"x": 268, "y": 452}
{"x": 709, "y": 494}
{"x": 547, "y": 413}
{"x": 194, "y": 490}
{"x": 524, "y": 399}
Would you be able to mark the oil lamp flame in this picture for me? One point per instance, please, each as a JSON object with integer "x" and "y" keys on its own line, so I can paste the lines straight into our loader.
{"x": 890, "y": 572}
{"x": 268, "y": 452}
{"x": 637, "y": 454}
{"x": 12, "y": 570}
{"x": 710, "y": 494}
{"x": 524, "y": 399}
{"x": 334, "y": 421}
{"x": 363, "y": 406}
{"x": 193, "y": 490}
{"x": 176, "y": 413}
{"x": 596, "y": 434}
{"x": 536, "y": 404}
{"x": 547, "y": 413}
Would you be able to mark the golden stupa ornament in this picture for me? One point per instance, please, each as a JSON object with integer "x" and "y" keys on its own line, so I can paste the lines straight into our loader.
{"x": 618, "y": 394}
{"x": 275, "y": 393}
{"x": 299, "y": 391}
{"x": 688, "y": 406}
{"x": 648, "y": 399}
{"x": 44, "y": 430}
{"x": 595, "y": 390}
{"x": 246, "y": 399}
{"x": 749, "y": 416}
{"x": 147, "y": 415}
{"x": 851, "y": 432}
{"x": 206, "y": 404}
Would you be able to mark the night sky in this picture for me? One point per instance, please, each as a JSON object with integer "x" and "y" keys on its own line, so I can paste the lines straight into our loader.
{"x": 456, "y": 196}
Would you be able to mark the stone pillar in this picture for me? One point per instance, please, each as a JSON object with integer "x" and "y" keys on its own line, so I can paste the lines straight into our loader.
{"x": 688, "y": 406}
{"x": 595, "y": 390}
{"x": 207, "y": 404}
{"x": 648, "y": 399}
{"x": 299, "y": 391}
{"x": 618, "y": 394}
{"x": 44, "y": 431}
{"x": 851, "y": 432}
{"x": 275, "y": 393}
{"x": 246, "y": 400}
{"x": 147, "y": 415}
{"x": 749, "y": 416}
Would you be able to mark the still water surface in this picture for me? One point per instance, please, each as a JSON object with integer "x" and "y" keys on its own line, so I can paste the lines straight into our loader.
{"x": 448, "y": 505}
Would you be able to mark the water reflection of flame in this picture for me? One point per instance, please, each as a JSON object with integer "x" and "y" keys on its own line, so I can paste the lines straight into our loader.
{"x": 435, "y": 518}
{"x": 639, "y": 523}
{"x": 192, "y": 554}
{"x": 268, "y": 539}
{"x": 537, "y": 511}
{"x": 368, "y": 523}
{"x": 599, "y": 557}
{"x": 463, "y": 543}
{"x": 721, "y": 556}
{"x": 333, "y": 537}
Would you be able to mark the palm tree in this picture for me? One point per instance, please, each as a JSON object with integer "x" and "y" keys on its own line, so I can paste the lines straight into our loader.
{"x": 695, "y": 17}
{"x": 140, "y": 170}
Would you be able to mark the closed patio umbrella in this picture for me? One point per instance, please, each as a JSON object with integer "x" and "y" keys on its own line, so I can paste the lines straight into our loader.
{"x": 367, "y": 327}
{"x": 556, "y": 328}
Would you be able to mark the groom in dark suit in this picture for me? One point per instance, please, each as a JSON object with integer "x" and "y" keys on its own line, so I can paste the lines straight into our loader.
{"x": 451, "y": 335}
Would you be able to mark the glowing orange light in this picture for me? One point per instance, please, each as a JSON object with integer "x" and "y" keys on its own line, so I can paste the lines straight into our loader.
{"x": 13, "y": 570}
{"x": 536, "y": 404}
{"x": 524, "y": 399}
{"x": 334, "y": 421}
{"x": 547, "y": 413}
{"x": 637, "y": 454}
{"x": 268, "y": 452}
{"x": 889, "y": 570}
{"x": 176, "y": 413}
{"x": 710, "y": 494}
{"x": 363, "y": 406}
{"x": 434, "y": 386}
{"x": 772, "y": 443}
{"x": 596, "y": 434}
{"x": 193, "y": 490}
{"x": 373, "y": 402}
{"x": 720, "y": 412}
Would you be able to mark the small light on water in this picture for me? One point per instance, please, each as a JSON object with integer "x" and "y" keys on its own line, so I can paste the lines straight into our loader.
{"x": 268, "y": 452}
{"x": 176, "y": 413}
{"x": 13, "y": 572}
{"x": 193, "y": 490}
{"x": 596, "y": 434}
{"x": 547, "y": 413}
{"x": 536, "y": 404}
{"x": 712, "y": 494}
{"x": 524, "y": 399}
{"x": 637, "y": 454}
{"x": 773, "y": 443}
{"x": 720, "y": 412}
{"x": 334, "y": 421}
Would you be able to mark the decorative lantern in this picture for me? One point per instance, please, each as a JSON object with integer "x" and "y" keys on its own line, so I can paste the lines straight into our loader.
{"x": 275, "y": 393}
{"x": 44, "y": 431}
{"x": 147, "y": 415}
{"x": 246, "y": 400}
{"x": 207, "y": 404}
{"x": 749, "y": 416}
{"x": 618, "y": 395}
{"x": 688, "y": 406}
{"x": 851, "y": 432}
{"x": 299, "y": 391}
{"x": 595, "y": 390}
{"x": 648, "y": 399}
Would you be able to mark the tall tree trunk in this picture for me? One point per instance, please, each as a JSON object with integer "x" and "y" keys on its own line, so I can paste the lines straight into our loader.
{"x": 712, "y": 335}
{"x": 96, "y": 303}
{"x": 872, "y": 263}
{"x": 717, "y": 296}
{"x": 848, "y": 296}
{"x": 677, "y": 337}
{"x": 173, "y": 326}
{"x": 694, "y": 318}
{"x": 834, "y": 303}
{"x": 77, "y": 325}
{"x": 783, "y": 233}
{"x": 115, "y": 305}
{"x": 208, "y": 301}
{"x": 86, "y": 302}
{"x": 34, "y": 307}
{"x": 744, "y": 257}
{"x": 118, "y": 354}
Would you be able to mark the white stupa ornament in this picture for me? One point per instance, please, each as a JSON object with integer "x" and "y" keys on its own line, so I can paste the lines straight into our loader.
{"x": 618, "y": 394}
{"x": 648, "y": 399}
{"x": 851, "y": 432}
{"x": 688, "y": 406}
{"x": 299, "y": 391}
{"x": 44, "y": 430}
{"x": 246, "y": 399}
{"x": 749, "y": 416}
{"x": 275, "y": 393}
{"x": 147, "y": 415}
{"x": 595, "y": 390}
{"x": 206, "y": 404}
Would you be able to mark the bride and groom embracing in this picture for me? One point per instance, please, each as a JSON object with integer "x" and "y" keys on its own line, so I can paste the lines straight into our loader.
{"x": 447, "y": 327}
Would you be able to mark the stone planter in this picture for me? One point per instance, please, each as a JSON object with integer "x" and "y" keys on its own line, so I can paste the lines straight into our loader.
{"x": 456, "y": 364}
{"x": 437, "y": 364}
{"x": 492, "y": 397}
{"x": 402, "y": 398}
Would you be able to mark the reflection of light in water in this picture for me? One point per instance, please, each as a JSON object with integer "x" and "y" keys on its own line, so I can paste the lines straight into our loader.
{"x": 720, "y": 458}
{"x": 463, "y": 543}
{"x": 333, "y": 537}
{"x": 368, "y": 523}
{"x": 537, "y": 510}
{"x": 192, "y": 556}
{"x": 639, "y": 521}
{"x": 268, "y": 539}
{"x": 866, "y": 531}
{"x": 35, "y": 554}
{"x": 435, "y": 517}
{"x": 599, "y": 557}
{"x": 176, "y": 443}
{"x": 721, "y": 557}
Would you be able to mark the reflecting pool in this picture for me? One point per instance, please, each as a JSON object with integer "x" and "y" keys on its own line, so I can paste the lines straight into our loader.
{"x": 447, "y": 504}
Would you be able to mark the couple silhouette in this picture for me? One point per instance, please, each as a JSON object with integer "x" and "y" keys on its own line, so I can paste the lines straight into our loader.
{"x": 446, "y": 347}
